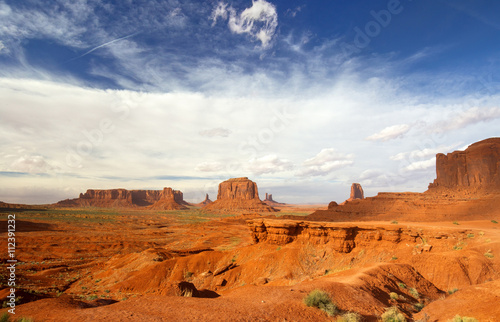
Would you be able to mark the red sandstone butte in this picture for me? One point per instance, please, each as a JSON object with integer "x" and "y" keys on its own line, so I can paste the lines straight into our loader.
{"x": 238, "y": 194}
{"x": 474, "y": 170}
{"x": 166, "y": 199}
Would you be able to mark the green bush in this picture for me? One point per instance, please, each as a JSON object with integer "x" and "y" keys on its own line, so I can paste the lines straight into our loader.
{"x": 419, "y": 307}
{"x": 349, "y": 317}
{"x": 456, "y": 223}
{"x": 452, "y": 291}
{"x": 413, "y": 292}
{"x": 458, "y": 318}
{"x": 392, "y": 314}
{"x": 494, "y": 221}
{"x": 321, "y": 300}
{"x": 5, "y": 317}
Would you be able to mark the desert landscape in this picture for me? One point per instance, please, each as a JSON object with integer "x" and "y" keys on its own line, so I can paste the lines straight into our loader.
{"x": 148, "y": 255}
{"x": 249, "y": 160}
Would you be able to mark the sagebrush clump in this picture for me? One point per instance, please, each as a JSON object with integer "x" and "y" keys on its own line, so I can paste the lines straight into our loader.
{"x": 393, "y": 314}
{"x": 321, "y": 300}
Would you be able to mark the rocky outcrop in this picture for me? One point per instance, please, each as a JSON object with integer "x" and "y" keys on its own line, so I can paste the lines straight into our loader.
{"x": 170, "y": 200}
{"x": 166, "y": 199}
{"x": 475, "y": 169}
{"x": 356, "y": 192}
{"x": 342, "y": 237}
{"x": 270, "y": 201}
{"x": 236, "y": 195}
{"x": 205, "y": 202}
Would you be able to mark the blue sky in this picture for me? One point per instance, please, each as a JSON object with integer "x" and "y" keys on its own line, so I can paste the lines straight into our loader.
{"x": 303, "y": 97}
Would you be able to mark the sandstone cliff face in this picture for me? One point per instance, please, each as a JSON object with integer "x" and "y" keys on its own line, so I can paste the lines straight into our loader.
{"x": 165, "y": 199}
{"x": 341, "y": 237}
{"x": 238, "y": 194}
{"x": 238, "y": 188}
{"x": 477, "y": 168}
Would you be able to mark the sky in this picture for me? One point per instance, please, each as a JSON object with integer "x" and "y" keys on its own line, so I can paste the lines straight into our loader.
{"x": 303, "y": 97}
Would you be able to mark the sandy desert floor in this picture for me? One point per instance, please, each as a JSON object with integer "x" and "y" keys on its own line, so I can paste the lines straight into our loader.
{"x": 131, "y": 265}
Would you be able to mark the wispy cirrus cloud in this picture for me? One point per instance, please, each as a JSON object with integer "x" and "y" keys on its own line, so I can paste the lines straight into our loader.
{"x": 219, "y": 131}
{"x": 466, "y": 118}
{"x": 390, "y": 133}
{"x": 269, "y": 164}
{"x": 325, "y": 162}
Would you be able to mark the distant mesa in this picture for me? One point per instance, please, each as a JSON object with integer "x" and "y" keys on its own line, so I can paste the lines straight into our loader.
{"x": 465, "y": 180}
{"x": 269, "y": 201}
{"x": 477, "y": 169}
{"x": 205, "y": 202}
{"x": 166, "y": 199}
{"x": 238, "y": 194}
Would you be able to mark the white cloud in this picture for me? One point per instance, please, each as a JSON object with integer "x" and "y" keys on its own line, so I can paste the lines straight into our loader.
{"x": 466, "y": 118}
{"x": 220, "y": 131}
{"x": 325, "y": 162}
{"x": 421, "y": 165}
{"x": 31, "y": 164}
{"x": 210, "y": 166}
{"x": 219, "y": 12}
{"x": 390, "y": 133}
{"x": 259, "y": 21}
{"x": 269, "y": 164}
{"x": 423, "y": 153}
{"x": 2, "y": 46}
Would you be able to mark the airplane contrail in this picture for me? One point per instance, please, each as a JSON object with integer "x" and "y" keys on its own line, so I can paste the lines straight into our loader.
{"x": 104, "y": 45}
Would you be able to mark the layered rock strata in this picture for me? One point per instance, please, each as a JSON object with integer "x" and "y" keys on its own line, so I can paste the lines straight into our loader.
{"x": 238, "y": 194}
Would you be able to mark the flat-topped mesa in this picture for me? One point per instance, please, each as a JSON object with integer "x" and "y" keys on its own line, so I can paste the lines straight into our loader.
{"x": 473, "y": 170}
{"x": 238, "y": 194}
{"x": 238, "y": 188}
{"x": 123, "y": 198}
{"x": 170, "y": 200}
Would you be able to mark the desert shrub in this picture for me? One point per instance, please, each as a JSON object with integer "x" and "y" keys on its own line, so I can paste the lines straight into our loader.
{"x": 25, "y": 320}
{"x": 419, "y": 307}
{"x": 392, "y": 314}
{"x": 349, "y": 317}
{"x": 458, "y": 318}
{"x": 402, "y": 285}
{"x": 452, "y": 291}
{"x": 494, "y": 221}
{"x": 393, "y": 296}
{"x": 413, "y": 292}
{"x": 393, "y": 258}
{"x": 488, "y": 254}
{"x": 321, "y": 300}
{"x": 470, "y": 235}
{"x": 5, "y": 317}
{"x": 394, "y": 222}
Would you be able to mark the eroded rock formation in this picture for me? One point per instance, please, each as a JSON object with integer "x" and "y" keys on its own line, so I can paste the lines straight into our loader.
{"x": 238, "y": 194}
{"x": 270, "y": 201}
{"x": 356, "y": 192}
{"x": 475, "y": 169}
{"x": 205, "y": 202}
{"x": 166, "y": 199}
{"x": 341, "y": 237}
